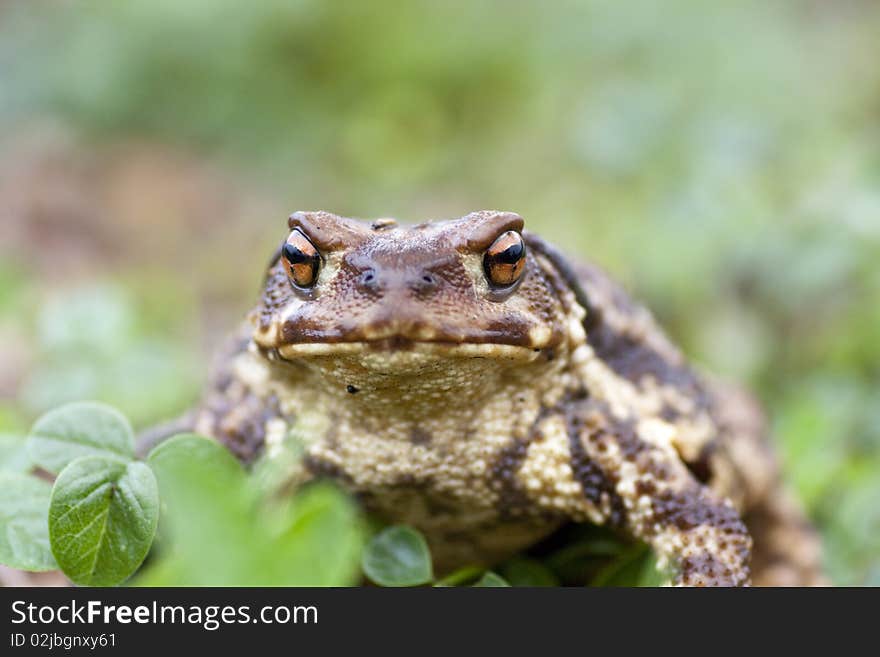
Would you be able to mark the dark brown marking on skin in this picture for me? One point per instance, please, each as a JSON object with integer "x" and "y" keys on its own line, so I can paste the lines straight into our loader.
{"x": 595, "y": 482}
{"x": 634, "y": 360}
{"x": 588, "y": 419}
{"x": 512, "y": 499}
{"x": 419, "y": 436}
{"x": 622, "y": 432}
{"x": 686, "y": 510}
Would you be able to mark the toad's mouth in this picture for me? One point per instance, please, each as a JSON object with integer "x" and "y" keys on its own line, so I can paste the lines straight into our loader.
{"x": 401, "y": 347}
{"x": 501, "y": 341}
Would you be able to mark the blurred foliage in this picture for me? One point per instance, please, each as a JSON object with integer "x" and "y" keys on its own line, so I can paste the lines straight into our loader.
{"x": 220, "y": 531}
{"x": 92, "y": 345}
{"x": 720, "y": 158}
{"x": 221, "y": 526}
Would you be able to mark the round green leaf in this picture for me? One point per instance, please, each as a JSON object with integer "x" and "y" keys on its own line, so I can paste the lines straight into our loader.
{"x": 24, "y": 530}
{"x": 102, "y": 519}
{"x": 398, "y": 556}
{"x": 76, "y": 430}
{"x": 490, "y": 580}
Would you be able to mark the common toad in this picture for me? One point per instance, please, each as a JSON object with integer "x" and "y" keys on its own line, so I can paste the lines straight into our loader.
{"x": 463, "y": 377}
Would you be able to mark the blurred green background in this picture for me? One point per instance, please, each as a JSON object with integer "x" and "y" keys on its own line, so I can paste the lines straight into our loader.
{"x": 722, "y": 159}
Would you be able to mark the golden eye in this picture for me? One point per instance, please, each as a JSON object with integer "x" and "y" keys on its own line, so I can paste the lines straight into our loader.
{"x": 301, "y": 259}
{"x": 505, "y": 260}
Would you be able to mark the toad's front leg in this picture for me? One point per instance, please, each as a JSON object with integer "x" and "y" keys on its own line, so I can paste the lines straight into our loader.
{"x": 639, "y": 484}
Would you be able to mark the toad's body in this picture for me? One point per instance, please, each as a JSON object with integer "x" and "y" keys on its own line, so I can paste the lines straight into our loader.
{"x": 460, "y": 377}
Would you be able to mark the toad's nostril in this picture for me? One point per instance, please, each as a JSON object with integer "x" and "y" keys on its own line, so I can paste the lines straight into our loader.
{"x": 369, "y": 281}
{"x": 424, "y": 283}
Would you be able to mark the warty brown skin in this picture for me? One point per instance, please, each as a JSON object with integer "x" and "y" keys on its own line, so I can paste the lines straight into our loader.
{"x": 489, "y": 417}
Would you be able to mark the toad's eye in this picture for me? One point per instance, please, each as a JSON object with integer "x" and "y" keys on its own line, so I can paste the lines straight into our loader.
{"x": 301, "y": 259}
{"x": 505, "y": 260}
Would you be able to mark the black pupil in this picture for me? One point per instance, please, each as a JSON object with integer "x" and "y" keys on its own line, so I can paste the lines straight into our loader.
{"x": 511, "y": 255}
{"x": 295, "y": 256}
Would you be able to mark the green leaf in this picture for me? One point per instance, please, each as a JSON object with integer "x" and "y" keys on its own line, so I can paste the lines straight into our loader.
{"x": 76, "y": 430}
{"x": 398, "y": 556}
{"x": 461, "y": 576}
{"x": 208, "y": 513}
{"x": 528, "y": 572}
{"x": 102, "y": 519}
{"x": 24, "y": 531}
{"x": 651, "y": 575}
{"x": 586, "y": 550}
{"x": 219, "y": 532}
{"x": 490, "y": 579}
{"x": 187, "y": 458}
{"x": 13, "y": 455}
{"x": 635, "y": 567}
{"x": 320, "y": 541}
